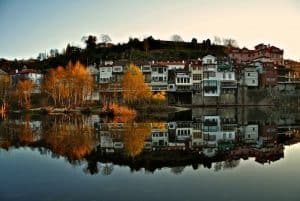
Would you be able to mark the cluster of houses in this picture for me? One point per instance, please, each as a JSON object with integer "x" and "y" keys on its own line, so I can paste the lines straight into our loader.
{"x": 208, "y": 76}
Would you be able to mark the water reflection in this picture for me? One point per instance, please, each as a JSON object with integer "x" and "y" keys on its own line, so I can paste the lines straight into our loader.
{"x": 212, "y": 138}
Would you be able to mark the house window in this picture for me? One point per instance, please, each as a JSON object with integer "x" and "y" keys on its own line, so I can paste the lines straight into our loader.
{"x": 224, "y": 76}
{"x": 229, "y": 75}
{"x": 253, "y": 129}
{"x": 230, "y": 135}
{"x": 248, "y": 74}
{"x": 253, "y": 81}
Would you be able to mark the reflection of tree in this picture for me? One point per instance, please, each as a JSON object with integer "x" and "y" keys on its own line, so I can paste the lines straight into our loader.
{"x": 228, "y": 164}
{"x": 177, "y": 170}
{"x": 5, "y": 135}
{"x": 107, "y": 169}
{"x": 134, "y": 137}
{"x": 72, "y": 138}
{"x": 92, "y": 167}
{"x": 25, "y": 135}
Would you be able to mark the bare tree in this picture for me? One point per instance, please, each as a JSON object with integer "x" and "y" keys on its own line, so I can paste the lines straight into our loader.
{"x": 105, "y": 38}
{"x": 217, "y": 40}
{"x": 229, "y": 42}
{"x": 176, "y": 38}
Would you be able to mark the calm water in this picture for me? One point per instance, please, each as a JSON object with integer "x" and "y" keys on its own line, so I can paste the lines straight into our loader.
{"x": 224, "y": 154}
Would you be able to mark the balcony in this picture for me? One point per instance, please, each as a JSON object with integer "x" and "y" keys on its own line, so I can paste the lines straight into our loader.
{"x": 228, "y": 84}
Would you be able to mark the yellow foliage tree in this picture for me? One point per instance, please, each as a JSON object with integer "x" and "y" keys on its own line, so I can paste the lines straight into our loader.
{"x": 4, "y": 89}
{"x": 69, "y": 86}
{"x": 24, "y": 89}
{"x": 134, "y": 88}
{"x": 159, "y": 97}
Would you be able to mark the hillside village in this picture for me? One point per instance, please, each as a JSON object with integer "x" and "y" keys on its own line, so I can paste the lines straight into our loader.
{"x": 209, "y": 80}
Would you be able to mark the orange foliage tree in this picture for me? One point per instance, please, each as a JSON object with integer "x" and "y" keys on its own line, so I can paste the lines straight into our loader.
{"x": 159, "y": 97}
{"x": 134, "y": 88}
{"x": 4, "y": 89}
{"x": 68, "y": 86}
{"x": 24, "y": 90}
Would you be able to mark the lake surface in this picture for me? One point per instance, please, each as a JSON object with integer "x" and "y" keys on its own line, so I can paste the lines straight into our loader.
{"x": 203, "y": 154}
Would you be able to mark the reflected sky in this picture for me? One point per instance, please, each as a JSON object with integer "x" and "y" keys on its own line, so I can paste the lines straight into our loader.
{"x": 28, "y": 175}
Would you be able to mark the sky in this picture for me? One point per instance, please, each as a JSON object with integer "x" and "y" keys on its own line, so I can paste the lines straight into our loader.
{"x": 33, "y": 26}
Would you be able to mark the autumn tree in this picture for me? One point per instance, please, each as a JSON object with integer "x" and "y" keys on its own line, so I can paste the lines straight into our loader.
{"x": 159, "y": 97}
{"x": 134, "y": 88}
{"x": 24, "y": 90}
{"x": 4, "y": 91}
{"x": 68, "y": 86}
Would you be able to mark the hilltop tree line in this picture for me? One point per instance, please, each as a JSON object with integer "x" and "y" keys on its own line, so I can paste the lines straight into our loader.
{"x": 97, "y": 50}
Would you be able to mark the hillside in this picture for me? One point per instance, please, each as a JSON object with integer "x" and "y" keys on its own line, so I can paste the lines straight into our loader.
{"x": 133, "y": 51}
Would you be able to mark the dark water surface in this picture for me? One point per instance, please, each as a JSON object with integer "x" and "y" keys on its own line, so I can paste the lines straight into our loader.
{"x": 91, "y": 158}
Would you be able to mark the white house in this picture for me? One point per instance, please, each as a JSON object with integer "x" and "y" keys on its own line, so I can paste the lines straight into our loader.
{"x": 29, "y": 74}
{"x": 159, "y": 77}
{"x": 196, "y": 70}
{"x": 211, "y": 85}
{"x": 105, "y": 74}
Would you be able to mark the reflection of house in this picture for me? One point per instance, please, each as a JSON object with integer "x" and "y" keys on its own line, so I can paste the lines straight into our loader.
{"x": 159, "y": 137}
{"x": 268, "y": 134}
{"x": 250, "y": 133}
{"x": 211, "y": 129}
{"x": 215, "y": 131}
{"x": 184, "y": 130}
{"x": 197, "y": 136}
{"x": 106, "y": 140}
